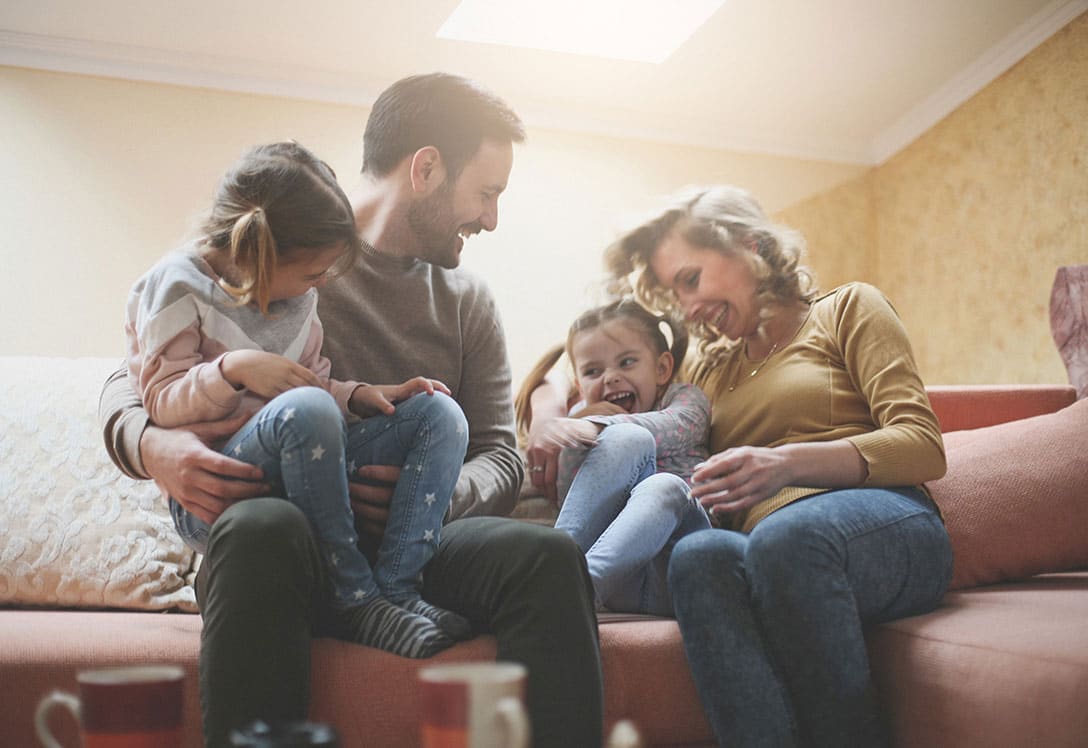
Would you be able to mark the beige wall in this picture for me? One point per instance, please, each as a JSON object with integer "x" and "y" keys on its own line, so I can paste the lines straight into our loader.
{"x": 965, "y": 228}
{"x": 100, "y": 177}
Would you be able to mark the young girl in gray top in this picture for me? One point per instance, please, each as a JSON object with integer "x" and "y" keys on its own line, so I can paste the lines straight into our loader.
{"x": 631, "y": 446}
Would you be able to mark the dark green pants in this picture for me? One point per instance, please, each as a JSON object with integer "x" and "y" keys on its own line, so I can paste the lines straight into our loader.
{"x": 263, "y": 597}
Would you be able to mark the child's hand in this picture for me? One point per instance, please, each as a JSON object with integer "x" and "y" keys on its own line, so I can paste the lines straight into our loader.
{"x": 603, "y": 408}
{"x": 266, "y": 374}
{"x": 568, "y": 432}
{"x": 368, "y": 399}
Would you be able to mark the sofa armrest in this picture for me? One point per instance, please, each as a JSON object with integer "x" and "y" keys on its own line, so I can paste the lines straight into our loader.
{"x": 973, "y": 406}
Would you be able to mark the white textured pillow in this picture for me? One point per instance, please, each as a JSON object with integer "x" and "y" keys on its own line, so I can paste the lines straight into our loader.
{"x": 74, "y": 531}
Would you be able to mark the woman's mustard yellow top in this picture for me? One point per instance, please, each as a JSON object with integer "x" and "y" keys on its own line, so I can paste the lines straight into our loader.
{"x": 848, "y": 373}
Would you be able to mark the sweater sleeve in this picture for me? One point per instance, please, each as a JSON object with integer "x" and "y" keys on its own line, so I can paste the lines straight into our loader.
{"x": 176, "y": 385}
{"x": 312, "y": 359}
{"x": 906, "y": 447}
{"x": 493, "y": 470}
{"x": 122, "y": 419}
{"x": 682, "y": 421}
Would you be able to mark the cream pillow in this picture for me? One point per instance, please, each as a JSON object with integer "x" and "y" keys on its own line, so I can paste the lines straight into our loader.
{"x": 74, "y": 531}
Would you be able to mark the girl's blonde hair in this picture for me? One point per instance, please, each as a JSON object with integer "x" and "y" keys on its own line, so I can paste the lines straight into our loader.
{"x": 726, "y": 219}
{"x": 277, "y": 199}
{"x": 626, "y": 311}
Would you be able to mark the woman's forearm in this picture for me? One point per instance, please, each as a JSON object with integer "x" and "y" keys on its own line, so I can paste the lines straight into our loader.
{"x": 834, "y": 464}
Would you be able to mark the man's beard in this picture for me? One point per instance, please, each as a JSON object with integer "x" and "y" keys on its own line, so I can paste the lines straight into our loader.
{"x": 437, "y": 236}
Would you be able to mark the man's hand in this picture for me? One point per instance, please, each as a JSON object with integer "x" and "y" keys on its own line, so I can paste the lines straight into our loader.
{"x": 371, "y": 490}
{"x": 368, "y": 399}
{"x": 195, "y": 475}
{"x": 265, "y": 374}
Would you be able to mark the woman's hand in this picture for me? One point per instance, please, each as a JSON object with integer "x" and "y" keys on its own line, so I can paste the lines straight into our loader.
{"x": 368, "y": 399}
{"x": 736, "y": 479}
{"x": 265, "y": 374}
{"x": 547, "y": 438}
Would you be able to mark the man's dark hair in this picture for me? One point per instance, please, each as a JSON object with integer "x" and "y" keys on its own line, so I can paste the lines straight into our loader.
{"x": 451, "y": 113}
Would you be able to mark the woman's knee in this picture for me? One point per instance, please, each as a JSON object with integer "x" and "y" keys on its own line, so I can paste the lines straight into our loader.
{"x": 705, "y": 555}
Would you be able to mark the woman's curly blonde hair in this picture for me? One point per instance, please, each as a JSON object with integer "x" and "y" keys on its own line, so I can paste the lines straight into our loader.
{"x": 723, "y": 218}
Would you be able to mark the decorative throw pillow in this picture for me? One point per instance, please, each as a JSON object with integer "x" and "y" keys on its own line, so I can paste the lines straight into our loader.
{"x": 75, "y": 532}
{"x": 1015, "y": 497}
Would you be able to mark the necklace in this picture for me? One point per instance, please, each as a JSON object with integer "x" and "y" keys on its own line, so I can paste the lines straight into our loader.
{"x": 758, "y": 367}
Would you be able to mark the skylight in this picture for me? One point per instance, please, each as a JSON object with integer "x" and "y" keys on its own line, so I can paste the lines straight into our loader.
{"x": 640, "y": 30}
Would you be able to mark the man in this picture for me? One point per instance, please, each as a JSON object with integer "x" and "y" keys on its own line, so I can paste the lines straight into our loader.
{"x": 437, "y": 155}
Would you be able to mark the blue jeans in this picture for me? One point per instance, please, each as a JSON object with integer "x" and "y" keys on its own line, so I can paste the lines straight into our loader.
{"x": 300, "y": 441}
{"x": 626, "y": 519}
{"x": 772, "y": 621}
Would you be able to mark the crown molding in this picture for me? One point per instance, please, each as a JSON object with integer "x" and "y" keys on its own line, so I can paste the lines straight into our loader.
{"x": 223, "y": 73}
{"x": 979, "y": 74}
{"x": 146, "y": 64}
{"x": 151, "y": 65}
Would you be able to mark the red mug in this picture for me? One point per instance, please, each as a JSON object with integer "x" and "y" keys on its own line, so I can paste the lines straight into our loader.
{"x": 473, "y": 705}
{"x": 123, "y": 707}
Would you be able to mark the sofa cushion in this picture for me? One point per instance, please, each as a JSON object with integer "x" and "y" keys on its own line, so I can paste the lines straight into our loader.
{"x": 1015, "y": 497}
{"x": 74, "y": 531}
{"x": 1002, "y": 666}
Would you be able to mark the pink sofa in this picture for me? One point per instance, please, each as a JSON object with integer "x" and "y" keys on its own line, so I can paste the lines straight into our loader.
{"x": 1000, "y": 663}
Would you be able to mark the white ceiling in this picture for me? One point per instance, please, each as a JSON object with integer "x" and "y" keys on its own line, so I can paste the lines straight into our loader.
{"x": 839, "y": 80}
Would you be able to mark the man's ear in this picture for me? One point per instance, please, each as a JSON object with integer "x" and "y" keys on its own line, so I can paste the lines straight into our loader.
{"x": 427, "y": 170}
{"x": 665, "y": 365}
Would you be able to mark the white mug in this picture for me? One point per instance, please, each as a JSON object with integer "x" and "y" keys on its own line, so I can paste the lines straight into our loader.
{"x": 473, "y": 705}
{"x": 122, "y": 707}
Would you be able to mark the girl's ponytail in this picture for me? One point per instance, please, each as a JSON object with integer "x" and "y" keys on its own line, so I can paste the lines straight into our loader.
{"x": 278, "y": 199}
{"x": 253, "y": 252}
{"x": 523, "y": 407}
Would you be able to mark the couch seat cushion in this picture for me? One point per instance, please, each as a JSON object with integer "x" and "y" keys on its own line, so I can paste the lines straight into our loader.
{"x": 1000, "y": 666}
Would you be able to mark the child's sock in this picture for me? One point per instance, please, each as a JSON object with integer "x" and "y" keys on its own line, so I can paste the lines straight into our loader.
{"x": 453, "y": 624}
{"x": 383, "y": 625}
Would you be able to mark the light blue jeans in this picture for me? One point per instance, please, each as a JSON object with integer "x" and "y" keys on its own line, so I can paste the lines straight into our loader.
{"x": 772, "y": 621}
{"x": 300, "y": 441}
{"x": 626, "y": 518}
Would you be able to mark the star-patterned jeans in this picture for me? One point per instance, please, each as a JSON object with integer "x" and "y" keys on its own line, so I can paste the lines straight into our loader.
{"x": 301, "y": 442}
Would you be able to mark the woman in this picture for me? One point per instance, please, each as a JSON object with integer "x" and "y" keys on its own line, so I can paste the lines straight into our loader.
{"x": 821, "y": 436}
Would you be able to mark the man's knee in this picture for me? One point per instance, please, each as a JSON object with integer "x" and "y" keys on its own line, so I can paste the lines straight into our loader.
{"x": 265, "y": 541}
{"x": 540, "y": 560}
{"x": 259, "y": 525}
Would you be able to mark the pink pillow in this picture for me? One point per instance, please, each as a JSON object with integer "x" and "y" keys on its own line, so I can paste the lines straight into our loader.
{"x": 1015, "y": 497}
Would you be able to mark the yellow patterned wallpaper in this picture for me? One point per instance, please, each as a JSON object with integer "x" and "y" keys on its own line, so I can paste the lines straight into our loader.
{"x": 965, "y": 228}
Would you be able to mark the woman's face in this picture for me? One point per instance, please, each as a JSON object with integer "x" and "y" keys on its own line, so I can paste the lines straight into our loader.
{"x": 716, "y": 289}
